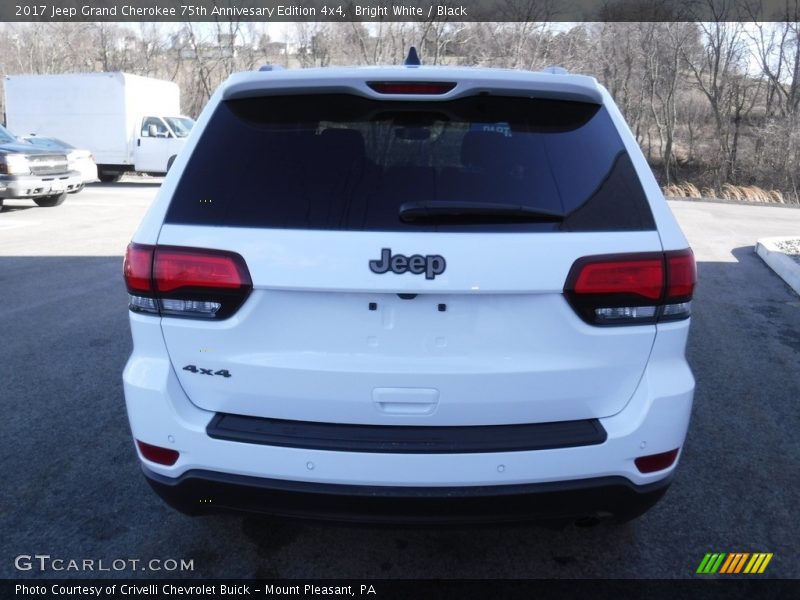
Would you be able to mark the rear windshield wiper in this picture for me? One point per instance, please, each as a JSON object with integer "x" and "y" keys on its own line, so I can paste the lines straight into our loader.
{"x": 450, "y": 211}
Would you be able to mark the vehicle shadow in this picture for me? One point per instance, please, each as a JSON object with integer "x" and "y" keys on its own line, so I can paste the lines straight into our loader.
{"x": 11, "y": 208}
{"x": 8, "y": 208}
{"x": 138, "y": 183}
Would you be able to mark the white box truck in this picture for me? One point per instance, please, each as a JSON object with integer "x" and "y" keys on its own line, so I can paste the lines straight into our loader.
{"x": 130, "y": 123}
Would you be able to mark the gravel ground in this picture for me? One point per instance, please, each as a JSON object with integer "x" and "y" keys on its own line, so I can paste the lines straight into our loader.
{"x": 791, "y": 248}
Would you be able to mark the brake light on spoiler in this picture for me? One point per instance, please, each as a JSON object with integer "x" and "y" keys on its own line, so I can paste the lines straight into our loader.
{"x": 175, "y": 281}
{"x": 623, "y": 289}
{"x": 425, "y": 88}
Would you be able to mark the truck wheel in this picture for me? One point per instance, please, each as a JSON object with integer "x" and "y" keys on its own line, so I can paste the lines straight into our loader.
{"x": 48, "y": 201}
{"x": 109, "y": 176}
{"x": 169, "y": 162}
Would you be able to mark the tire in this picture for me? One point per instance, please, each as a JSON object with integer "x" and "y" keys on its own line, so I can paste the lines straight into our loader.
{"x": 1, "y": 205}
{"x": 109, "y": 176}
{"x": 169, "y": 162}
{"x": 50, "y": 201}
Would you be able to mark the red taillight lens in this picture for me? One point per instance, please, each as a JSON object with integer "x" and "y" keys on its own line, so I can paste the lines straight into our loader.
{"x": 622, "y": 289}
{"x": 411, "y": 87}
{"x": 176, "y": 268}
{"x": 138, "y": 268}
{"x": 656, "y": 462}
{"x": 185, "y": 282}
{"x": 157, "y": 454}
{"x": 640, "y": 277}
{"x": 681, "y": 275}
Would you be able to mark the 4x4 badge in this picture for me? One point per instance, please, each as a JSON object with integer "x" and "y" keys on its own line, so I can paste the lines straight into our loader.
{"x": 430, "y": 264}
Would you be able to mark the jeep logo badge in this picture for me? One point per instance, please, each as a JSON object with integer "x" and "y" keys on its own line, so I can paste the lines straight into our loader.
{"x": 431, "y": 264}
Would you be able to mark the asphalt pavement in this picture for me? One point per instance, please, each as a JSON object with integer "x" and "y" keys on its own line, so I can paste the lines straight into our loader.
{"x": 72, "y": 487}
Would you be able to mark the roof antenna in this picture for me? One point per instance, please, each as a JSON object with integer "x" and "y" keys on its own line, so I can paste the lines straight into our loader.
{"x": 412, "y": 60}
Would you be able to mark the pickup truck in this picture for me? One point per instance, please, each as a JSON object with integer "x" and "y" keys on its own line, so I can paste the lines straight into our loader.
{"x": 29, "y": 172}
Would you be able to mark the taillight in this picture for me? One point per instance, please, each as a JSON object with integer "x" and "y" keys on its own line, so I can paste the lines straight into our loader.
{"x": 622, "y": 289}
{"x": 683, "y": 275}
{"x": 157, "y": 454}
{"x": 411, "y": 87}
{"x": 185, "y": 282}
{"x": 138, "y": 268}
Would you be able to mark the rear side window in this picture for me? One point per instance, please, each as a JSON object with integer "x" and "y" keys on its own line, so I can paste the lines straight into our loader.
{"x": 343, "y": 162}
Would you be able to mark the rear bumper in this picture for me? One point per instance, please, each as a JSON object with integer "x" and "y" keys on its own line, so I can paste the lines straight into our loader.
{"x": 34, "y": 186}
{"x": 515, "y": 482}
{"x": 198, "y": 492}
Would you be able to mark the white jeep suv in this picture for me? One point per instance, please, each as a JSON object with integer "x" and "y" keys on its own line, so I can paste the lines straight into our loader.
{"x": 410, "y": 294}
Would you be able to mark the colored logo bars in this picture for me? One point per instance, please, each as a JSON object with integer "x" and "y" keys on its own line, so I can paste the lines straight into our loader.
{"x": 735, "y": 562}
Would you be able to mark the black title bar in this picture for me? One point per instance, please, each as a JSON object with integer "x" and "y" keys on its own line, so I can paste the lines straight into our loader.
{"x": 376, "y": 11}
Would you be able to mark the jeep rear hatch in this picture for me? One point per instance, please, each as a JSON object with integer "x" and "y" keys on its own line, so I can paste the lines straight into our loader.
{"x": 310, "y": 190}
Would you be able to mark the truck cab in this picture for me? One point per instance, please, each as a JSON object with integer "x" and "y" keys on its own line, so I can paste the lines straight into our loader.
{"x": 158, "y": 141}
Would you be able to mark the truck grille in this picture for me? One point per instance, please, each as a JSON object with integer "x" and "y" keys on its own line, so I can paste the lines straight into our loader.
{"x": 47, "y": 164}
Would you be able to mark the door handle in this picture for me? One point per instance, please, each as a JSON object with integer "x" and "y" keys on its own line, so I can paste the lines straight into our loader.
{"x": 138, "y": 141}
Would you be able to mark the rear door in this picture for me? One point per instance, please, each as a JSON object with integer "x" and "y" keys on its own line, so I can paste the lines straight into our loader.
{"x": 381, "y": 294}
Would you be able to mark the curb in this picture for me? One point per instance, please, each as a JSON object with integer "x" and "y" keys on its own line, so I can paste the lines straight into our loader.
{"x": 786, "y": 268}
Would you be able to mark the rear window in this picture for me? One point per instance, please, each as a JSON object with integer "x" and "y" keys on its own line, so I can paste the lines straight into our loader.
{"x": 343, "y": 162}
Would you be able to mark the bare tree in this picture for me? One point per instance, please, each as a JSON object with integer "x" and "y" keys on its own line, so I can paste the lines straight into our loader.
{"x": 715, "y": 100}
{"x": 713, "y": 68}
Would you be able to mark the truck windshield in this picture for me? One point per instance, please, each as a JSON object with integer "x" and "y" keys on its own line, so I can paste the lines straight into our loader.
{"x": 5, "y": 136}
{"x": 180, "y": 125}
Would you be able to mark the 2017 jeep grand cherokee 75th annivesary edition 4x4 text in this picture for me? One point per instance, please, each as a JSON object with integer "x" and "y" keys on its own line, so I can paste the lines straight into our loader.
{"x": 410, "y": 294}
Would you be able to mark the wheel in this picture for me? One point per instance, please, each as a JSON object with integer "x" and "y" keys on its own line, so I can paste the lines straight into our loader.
{"x": 169, "y": 162}
{"x": 109, "y": 176}
{"x": 48, "y": 201}
{"x": 1, "y": 205}
{"x": 77, "y": 189}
